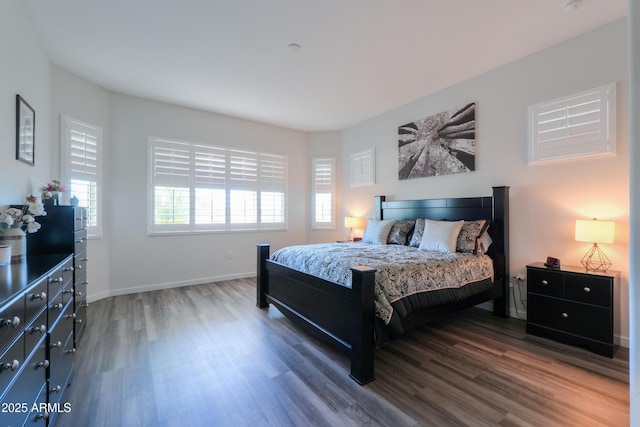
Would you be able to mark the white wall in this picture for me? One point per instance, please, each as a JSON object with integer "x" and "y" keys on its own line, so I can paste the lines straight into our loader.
{"x": 634, "y": 162}
{"x": 140, "y": 262}
{"x": 87, "y": 102}
{"x": 24, "y": 71}
{"x": 546, "y": 199}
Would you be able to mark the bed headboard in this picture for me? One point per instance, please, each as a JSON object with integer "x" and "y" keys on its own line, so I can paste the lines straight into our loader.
{"x": 494, "y": 208}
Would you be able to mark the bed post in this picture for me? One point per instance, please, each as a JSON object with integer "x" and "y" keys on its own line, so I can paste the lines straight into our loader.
{"x": 362, "y": 345}
{"x": 378, "y": 207}
{"x": 262, "y": 279}
{"x": 501, "y": 228}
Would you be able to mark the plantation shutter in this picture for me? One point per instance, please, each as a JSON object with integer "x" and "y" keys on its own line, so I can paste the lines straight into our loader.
{"x": 273, "y": 179}
{"x": 323, "y": 193}
{"x": 578, "y": 125}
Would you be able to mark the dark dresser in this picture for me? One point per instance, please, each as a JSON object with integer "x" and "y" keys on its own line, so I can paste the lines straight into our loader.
{"x": 66, "y": 232}
{"x": 36, "y": 338}
{"x": 572, "y": 305}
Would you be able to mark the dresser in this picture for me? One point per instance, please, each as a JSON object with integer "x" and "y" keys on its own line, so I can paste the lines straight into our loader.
{"x": 65, "y": 231}
{"x": 36, "y": 339}
{"x": 572, "y": 305}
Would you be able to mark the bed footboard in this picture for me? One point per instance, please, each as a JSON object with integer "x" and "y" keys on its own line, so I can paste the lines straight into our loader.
{"x": 336, "y": 314}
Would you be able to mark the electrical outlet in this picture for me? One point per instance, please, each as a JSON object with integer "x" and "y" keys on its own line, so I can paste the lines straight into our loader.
{"x": 521, "y": 277}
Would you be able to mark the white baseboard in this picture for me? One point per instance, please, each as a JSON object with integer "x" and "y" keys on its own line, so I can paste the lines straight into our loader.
{"x": 167, "y": 285}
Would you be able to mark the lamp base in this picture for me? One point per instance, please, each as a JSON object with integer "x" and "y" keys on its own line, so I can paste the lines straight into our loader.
{"x": 596, "y": 260}
{"x": 350, "y": 235}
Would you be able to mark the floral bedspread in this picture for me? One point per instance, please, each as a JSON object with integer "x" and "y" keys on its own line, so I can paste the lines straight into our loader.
{"x": 403, "y": 271}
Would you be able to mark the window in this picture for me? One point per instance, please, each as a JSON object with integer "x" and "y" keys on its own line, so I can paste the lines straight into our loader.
{"x": 198, "y": 188}
{"x": 323, "y": 190}
{"x": 580, "y": 125}
{"x": 82, "y": 168}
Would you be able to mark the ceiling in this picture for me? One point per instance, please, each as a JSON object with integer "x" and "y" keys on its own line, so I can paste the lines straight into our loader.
{"x": 358, "y": 58}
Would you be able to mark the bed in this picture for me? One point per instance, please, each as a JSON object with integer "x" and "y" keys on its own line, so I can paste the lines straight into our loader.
{"x": 345, "y": 311}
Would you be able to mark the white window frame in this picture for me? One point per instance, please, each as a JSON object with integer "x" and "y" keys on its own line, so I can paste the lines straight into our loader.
{"x": 220, "y": 168}
{"x": 582, "y": 125}
{"x": 325, "y": 184}
{"x": 83, "y": 162}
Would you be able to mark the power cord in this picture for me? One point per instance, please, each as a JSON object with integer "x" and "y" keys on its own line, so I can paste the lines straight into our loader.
{"x": 513, "y": 295}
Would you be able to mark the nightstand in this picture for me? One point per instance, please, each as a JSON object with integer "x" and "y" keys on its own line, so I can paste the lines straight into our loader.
{"x": 572, "y": 305}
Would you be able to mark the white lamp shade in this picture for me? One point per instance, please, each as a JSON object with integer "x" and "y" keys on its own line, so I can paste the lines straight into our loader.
{"x": 594, "y": 231}
{"x": 353, "y": 222}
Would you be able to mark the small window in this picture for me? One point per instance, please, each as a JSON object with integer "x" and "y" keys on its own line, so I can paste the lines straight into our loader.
{"x": 82, "y": 168}
{"x": 576, "y": 126}
{"x": 323, "y": 183}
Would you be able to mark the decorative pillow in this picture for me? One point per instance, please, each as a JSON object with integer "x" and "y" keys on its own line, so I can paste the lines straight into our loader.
{"x": 416, "y": 237}
{"x": 399, "y": 232}
{"x": 484, "y": 241}
{"x": 440, "y": 236}
{"x": 377, "y": 231}
{"x": 468, "y": 237}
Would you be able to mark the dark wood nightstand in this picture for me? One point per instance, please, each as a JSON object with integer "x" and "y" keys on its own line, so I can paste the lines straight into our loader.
{"x": 572, "y": 305}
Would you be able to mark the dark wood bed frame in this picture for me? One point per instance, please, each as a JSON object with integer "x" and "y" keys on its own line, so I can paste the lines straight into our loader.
{"x": 345, "y": 316}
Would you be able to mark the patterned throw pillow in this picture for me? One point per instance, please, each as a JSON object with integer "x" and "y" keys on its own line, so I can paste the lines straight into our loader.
{"x": 416, "y": 237}
{"x": 399, "y": 232}
{"x": 468, "y": 237}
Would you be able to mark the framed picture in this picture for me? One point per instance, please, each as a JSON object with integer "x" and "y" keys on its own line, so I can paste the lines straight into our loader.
{"x": 25, "y": 131}
{"x": 363, "y": 167}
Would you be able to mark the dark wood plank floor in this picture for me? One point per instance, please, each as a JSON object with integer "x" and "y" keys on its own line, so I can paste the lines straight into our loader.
{"x": 206, "y": 356}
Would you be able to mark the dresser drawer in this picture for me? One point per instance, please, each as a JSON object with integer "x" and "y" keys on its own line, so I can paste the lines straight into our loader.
{"x": 36, "y": 300}
{"x": 545, "y": 282}
{"x": 79, "y": 241}
{"x": 573, "y": 318}
{"x": 32, "y": 377}
{"x": 588, "y": 289}
{"x": 80, "y": 218}
{"x": 60, "y": 331}
{"x": 61, "y": 370}
{"x": 35, "y": 333}
{"x": 10, "y": 362}
{"x": 11, "y": 323}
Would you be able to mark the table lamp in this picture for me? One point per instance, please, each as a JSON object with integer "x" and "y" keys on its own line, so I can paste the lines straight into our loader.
{"x": 594, "y": 231}
{"x": 352, "y": 222}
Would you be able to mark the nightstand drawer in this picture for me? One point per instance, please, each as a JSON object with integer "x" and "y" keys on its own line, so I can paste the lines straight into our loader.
{"x": 545, "y": 282}
{"x": 588, "y": 289}
{"x": 573, "y": 318}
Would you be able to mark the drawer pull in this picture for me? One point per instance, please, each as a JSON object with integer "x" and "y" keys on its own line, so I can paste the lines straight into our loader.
{"x": 78, "y": 294}
{"x": 70, "y": 316}
{"x": 56, "y": 344}
{"x": 13, "y": 366}
{"x": 544, "y": 282}
{"x": 44, "y": 364}
{"x": 15, "y": 322}
{"x": 67, "y": 291}
{"x": 565, "y": 316}
{"x": 39, "y": 329}
{"x": 56, "y": 306}
{"x": 56, "y": 280}
{"x": 55, "y": 389}
{"x": 40, "y": 296}
{"x": 78, "y": 321}
{"x": 69, "y": 269}
{"x": 78, "y": 267}
{"x": 587, "y": 289}
{"x": 43, "y": 416}
{"x": 71, "y": 351}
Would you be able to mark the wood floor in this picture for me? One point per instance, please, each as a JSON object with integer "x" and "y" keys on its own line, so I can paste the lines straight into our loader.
{"x": 207, "y": 356}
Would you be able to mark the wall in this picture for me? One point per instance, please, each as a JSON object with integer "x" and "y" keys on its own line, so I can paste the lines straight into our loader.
{"x": 24, "y": 71}
{"x": 545, "y": 199}
{"x": 140, "y": 262}
{"x": 634, "y": 161}
{"x": 87, "y": 102}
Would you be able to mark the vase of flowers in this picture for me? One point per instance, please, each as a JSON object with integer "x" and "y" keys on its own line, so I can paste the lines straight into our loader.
{"x": 16, "y": 222}
{"x": 51, "y": 192}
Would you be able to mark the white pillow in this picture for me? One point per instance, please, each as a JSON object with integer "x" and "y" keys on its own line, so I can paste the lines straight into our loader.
{"x": 440, "y": 236}
{"x": 377, "y": 231}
